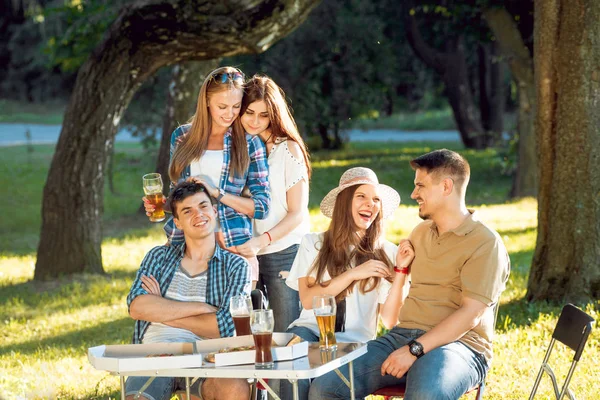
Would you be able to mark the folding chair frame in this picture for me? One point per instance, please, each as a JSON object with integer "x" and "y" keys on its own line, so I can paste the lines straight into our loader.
{"x": 572, "y": 329}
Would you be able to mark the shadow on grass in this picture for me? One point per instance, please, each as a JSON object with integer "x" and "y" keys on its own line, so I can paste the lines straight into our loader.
{"x": 520, "y": 313}
{"x": 116, "y": 331}
{"x": 122, "y": 228}
{"x": 391, "y": 163}
{"x": 80, "y": 291}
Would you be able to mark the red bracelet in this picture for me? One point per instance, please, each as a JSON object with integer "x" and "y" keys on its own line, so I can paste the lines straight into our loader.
{"x": 401, "y": 270}
{"x": 269, "y": 235}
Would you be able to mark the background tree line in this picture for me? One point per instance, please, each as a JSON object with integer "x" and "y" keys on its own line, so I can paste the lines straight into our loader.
{"x": 351, "y": 60}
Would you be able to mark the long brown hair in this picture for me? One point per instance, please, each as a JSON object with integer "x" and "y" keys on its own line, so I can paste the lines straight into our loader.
{"x": 195, "y": 142}
{"x": 335, "y": 255}
{"x": 282, "y": 124}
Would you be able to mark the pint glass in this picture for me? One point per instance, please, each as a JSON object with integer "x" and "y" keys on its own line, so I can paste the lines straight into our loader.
{"x": 240, "y": 308}
{"x": 153, "y": 187}
{"x": 324, "y": 308}
{"x": 262, "y": 323}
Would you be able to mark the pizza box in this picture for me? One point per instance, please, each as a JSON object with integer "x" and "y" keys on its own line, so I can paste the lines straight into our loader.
{"x": 280, "y": 352}
{"x": 141, "y": 357}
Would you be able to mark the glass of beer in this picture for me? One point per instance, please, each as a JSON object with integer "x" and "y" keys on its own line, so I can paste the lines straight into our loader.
{"x": 240, "y": 308}
{"x": 153, "y": 186}
{"x": 324, "y": 308}
{"x": 262, "y": 323}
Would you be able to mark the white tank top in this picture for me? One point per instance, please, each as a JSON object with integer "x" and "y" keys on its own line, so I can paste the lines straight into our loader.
{"x": 209, "y": 165}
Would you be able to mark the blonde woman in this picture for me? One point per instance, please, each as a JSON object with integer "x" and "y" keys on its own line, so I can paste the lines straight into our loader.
{"x": 214, "y": 150}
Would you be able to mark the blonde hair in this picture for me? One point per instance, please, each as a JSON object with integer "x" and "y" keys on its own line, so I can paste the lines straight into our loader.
{"x": 194, "y": 143}
{"x": 282, "y": 124}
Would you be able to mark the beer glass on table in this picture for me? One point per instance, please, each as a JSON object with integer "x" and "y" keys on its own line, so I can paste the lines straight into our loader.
{"x": 153, "y": 186}
{"x": 240, "y": 308}
{"x": 324, "y": 308}
{"x": 262, "y": 323}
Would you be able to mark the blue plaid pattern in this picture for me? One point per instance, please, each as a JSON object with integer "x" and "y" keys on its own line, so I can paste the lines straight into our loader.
{"x": 228, "y": 275}
{"x": 236, "y": 227}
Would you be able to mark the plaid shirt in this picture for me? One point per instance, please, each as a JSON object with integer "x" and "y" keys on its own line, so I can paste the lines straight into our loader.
{"x": 236, "y": 227}
{"x": 228, "y": 275}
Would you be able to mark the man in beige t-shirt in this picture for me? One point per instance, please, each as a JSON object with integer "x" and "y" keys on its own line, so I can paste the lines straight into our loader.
{"x": 442, "y": 345}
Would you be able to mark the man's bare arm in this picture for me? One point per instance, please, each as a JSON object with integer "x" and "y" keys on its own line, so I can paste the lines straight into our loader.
{"x": 455, "y": 325}
{"x": 152, "y": 308}
{"x": 204, "y": 325}
{"x": 449, "y": 330}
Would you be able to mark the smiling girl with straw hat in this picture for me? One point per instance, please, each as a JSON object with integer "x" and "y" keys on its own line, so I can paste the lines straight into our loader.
{"x": 352, "y": 261}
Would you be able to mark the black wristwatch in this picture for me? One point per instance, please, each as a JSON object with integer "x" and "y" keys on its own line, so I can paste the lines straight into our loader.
{"x": 415, "y": 348}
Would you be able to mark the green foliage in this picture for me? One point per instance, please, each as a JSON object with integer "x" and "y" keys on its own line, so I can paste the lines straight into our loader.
{"x": 86, "y": 23}
{"x": 339, "y": 65}
{"x": 46, "y": 328}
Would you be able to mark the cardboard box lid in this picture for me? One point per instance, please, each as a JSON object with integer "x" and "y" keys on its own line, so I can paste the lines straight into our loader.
{"x": 138, "y": 357}
{"x": 280, "y": 353}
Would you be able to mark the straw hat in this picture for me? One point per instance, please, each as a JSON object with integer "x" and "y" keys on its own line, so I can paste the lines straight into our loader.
{"x": 390, "y": 199}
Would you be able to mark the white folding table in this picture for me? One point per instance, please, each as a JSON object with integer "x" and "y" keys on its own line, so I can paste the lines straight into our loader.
{"x": 318, "y": 362}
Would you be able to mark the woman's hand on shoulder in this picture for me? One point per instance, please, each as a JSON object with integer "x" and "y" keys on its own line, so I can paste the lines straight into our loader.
{"x": 406, "y": 254}
{"x": 371, "y": 268}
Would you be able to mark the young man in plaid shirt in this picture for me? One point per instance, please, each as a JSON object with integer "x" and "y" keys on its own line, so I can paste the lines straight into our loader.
{"x": 181, "y": 294}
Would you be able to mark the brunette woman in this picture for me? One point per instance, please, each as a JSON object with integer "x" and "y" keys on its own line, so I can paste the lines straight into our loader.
{"x": 265, "y": 114}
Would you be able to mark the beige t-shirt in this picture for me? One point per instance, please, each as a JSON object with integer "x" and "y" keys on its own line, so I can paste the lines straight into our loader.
{"x": 471, "y": 261}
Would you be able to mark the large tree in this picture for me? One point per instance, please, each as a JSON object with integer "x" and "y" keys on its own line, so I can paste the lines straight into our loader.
{"x": 145, "y": 36}
{"x": 567, "y": 55}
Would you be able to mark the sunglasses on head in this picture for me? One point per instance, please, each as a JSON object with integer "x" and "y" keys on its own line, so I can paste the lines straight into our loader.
{"x": 224, "y": 77}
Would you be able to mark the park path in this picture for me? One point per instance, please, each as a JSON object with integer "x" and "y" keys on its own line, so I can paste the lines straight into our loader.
{"x": 15, "y": 134}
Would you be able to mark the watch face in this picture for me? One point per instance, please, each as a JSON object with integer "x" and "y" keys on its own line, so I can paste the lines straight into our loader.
{"x": 416, "y": 349}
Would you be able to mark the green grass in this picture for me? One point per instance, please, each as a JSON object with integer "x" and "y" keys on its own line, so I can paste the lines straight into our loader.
{"x": 430, "y": 120}
{"x": 46, "y": 328}
{"x": 33, "y": 113}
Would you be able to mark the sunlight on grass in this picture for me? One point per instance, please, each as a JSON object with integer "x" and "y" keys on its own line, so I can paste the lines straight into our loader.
{"x": 46, "y": 328}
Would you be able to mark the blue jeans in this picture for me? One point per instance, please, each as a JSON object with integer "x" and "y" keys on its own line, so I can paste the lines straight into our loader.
{"x": 446, "y": 372}
{"x": 286, "y": 391}
{"x": 161, "y": 388}
{"x": 283, "y": 300}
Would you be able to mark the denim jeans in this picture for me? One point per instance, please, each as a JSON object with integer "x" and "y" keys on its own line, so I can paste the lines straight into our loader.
{"x": 161, "y": 388}
{"x": 446, "y": 372}
{"x": 286, "y": 391}
{"x": 283, "y": 300}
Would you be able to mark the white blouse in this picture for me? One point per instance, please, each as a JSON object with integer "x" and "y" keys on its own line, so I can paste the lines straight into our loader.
{"x": 361, "y": 308}
{"x": 209, "y": 165}
{"x": 285, "y": 171}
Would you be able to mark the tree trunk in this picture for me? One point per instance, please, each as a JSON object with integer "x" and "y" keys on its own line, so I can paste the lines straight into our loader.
{"x": 181, "y": 103}
{"x": 491, "y": 92}
{"x": 144, "y": 37}
{"x": 513, "y": 48}
{"x": 323, "y": 132}
{"x": 452, "y": 67}
{"x": 567, "y": 54}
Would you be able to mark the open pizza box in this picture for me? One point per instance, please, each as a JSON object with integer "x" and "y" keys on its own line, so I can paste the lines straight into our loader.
{"x": 142, "y": 357}
{"x": 280, "y": 350}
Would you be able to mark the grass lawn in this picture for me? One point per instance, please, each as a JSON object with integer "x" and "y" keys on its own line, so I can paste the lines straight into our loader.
{"x": 33, "y": 113}
{"x": 48, "y": 327}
